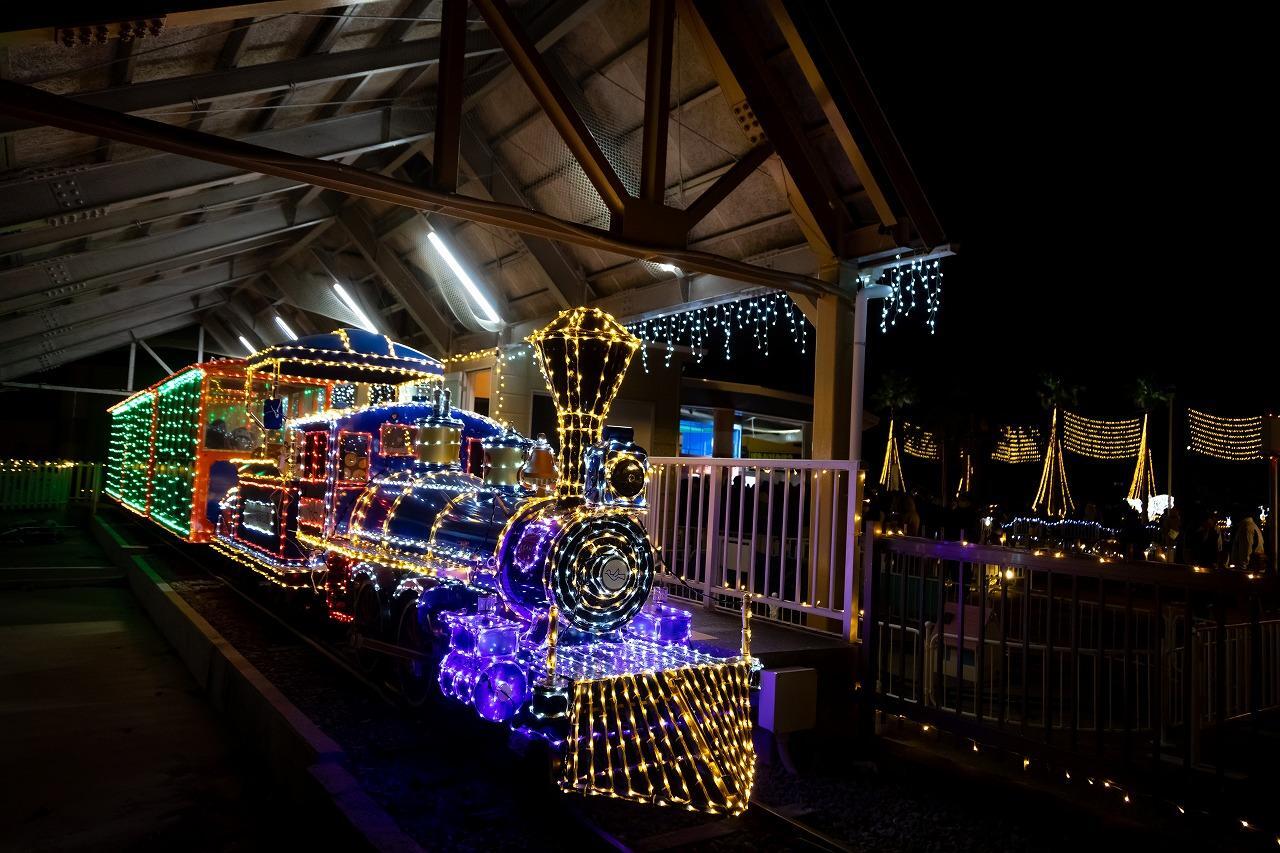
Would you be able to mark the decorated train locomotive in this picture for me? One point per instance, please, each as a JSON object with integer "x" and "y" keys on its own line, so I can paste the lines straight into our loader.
{"x": 455, "y": 549}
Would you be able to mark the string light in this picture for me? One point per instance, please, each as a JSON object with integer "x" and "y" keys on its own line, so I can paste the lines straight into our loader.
{"x": 891, "y": 478}
{"x": 1142, "y": 486}
{"x": 911, "y": 283}
{"x": 1016, "y": 445}
{"x": 919, "y": 442}
{"x": 1053, "y": 497}
{"x": 1100, "y": 439}
{"x": 697, "y": 328}
{"x": 1228, "y": 439}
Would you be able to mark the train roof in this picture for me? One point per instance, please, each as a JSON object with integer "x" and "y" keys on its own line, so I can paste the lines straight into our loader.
{"x": 348, "y": 355}
{"x": 221, "y": 366}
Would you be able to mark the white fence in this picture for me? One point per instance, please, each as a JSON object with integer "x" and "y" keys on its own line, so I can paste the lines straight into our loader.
{"x": 782, "y": 530}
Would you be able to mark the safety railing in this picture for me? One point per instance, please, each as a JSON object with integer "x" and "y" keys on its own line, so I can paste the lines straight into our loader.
{"x": 782, "y": 530}
{"x": 1118, "y": 662}
{"x": 26, "y": 484}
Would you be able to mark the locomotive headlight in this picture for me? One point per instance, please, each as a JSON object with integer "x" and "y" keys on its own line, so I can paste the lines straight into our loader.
{"x": 626, "y": 477}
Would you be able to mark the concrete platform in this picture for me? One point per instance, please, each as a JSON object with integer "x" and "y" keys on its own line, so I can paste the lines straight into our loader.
{"x": 105, "y": 743}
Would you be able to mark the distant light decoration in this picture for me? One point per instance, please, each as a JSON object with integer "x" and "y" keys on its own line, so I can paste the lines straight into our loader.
{"x": 912, "y": 282}
{"x": 919, "y": 442}
{"x": 699, "y": 328}
{"x": 1228, "y": 439}
{"x": 891, "y": 478}
{"x": 1053, "y": 497}
{"x": 966, "y": 474}
{"x": 1016, "y": 445}
{"x": 1143, "y": 484}
{"x": 1101, "y": 439}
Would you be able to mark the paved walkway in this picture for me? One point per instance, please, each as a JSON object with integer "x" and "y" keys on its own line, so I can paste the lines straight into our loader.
{"x": 105, "y": 743}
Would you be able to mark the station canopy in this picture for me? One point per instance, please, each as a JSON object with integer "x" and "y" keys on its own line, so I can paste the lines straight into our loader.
{"x": 450, "y": 175}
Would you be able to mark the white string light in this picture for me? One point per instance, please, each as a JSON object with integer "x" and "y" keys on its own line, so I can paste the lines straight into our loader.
{"x": 697, "y": 328}
{"x": 911, "y": 283}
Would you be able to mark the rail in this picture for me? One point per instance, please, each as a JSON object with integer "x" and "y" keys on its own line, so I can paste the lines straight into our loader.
{"x": 1118, "y": 662}
{"x": 780, "y": 530}
{"x": 26, "y": 484}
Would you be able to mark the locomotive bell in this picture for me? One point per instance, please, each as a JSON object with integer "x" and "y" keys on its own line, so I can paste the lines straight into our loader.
{"x": 439, "y": 439}
{"x": 584, "y": 354}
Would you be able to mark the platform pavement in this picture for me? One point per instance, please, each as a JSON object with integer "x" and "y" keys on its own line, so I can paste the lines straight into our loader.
{"x": 105, "y": 741}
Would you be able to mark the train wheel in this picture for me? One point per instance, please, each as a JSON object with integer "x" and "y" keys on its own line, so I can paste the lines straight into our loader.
{"x": 366, "y": 622}
{"x": 417, "y": 677}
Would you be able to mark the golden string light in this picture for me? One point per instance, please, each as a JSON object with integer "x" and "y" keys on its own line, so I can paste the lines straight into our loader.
{"x": 1016, "y": 445}
{"x": 919, "y": 442}
{"x": 1143, "y": 485}
{"x": 891, "y": 469}
{"x": 1100, "y": 439}
{"x": 678, "y": 737}
{"x": 1054, "y": 495}
{"x": 1229, "y": 439}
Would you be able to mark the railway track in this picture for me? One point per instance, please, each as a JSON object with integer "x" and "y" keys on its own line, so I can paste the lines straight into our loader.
{"x": 614, "y": 825}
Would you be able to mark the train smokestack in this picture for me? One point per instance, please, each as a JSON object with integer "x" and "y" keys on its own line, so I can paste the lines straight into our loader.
{"x": 583, "y": 354}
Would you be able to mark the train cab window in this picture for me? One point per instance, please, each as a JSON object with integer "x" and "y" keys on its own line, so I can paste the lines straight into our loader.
{"x": 395, "y": 440}
{"x": 228, "y": 424}
{"x": 315, "y": 455}
{"x": 353, "y": 456}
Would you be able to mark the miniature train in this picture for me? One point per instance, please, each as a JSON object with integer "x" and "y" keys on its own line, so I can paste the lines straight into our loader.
{"x": 457, "y": 549}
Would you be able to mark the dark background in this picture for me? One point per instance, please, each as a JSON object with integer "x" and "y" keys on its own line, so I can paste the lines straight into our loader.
{"x": 1102, "y": 175}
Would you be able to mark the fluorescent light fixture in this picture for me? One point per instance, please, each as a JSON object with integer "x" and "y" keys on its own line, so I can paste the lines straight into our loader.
{"x": 470, "y": 285}
{"x": 362, "y": 319}
{"x": 671, "y": 268}
{"x": 284, "y": 328}
{"x": 245, "y": 343}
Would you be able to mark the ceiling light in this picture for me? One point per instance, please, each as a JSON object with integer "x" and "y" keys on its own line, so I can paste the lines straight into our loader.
{"x": 671, "y": 268}
{"x": 470, "y": 285}
{"x": 362, "y": 319}
{"x": 284, "y": 328}
{"x": 245, "y": 343}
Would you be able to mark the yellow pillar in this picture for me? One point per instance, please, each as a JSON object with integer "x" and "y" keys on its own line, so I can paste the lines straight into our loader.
{"x": 833, "y": 345}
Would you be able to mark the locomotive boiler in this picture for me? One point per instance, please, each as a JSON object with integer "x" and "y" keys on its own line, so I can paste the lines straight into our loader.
{"x": 421, "y": 529}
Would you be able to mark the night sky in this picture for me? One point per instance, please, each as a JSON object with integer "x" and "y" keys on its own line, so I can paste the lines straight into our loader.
{"x": 1096, "y": 174}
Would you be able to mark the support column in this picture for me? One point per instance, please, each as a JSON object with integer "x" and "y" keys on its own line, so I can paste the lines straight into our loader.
{"x": 722, "y": 437}
{"x": 833, "y": 333}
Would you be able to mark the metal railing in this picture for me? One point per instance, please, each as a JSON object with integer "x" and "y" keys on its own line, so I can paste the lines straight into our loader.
{"x": 782, "y": 530}
{"x": 28, "y": 484}
{"x": 1119, "y": 662}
